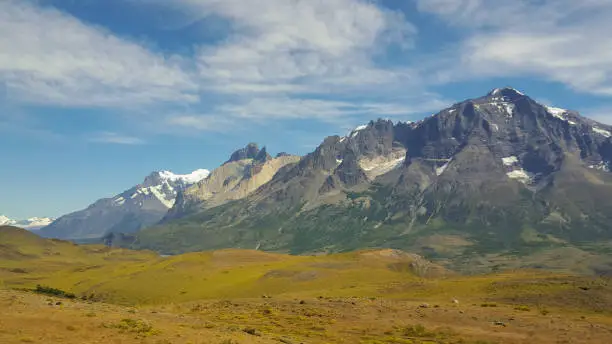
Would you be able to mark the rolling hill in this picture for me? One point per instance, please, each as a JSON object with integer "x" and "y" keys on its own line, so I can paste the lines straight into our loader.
{"x": 245, "y": 296}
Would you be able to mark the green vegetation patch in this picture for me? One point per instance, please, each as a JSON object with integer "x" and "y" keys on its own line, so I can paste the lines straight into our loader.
{"x": 41, "y": 289}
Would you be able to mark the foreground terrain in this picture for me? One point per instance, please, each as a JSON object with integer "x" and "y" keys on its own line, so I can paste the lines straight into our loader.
{"x": 30, "y": 318}
{"x": 236, "y": 296}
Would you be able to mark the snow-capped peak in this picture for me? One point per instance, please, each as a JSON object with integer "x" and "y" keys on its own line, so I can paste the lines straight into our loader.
{"x": 162, "y": 185}
{"x": 36, "y": 222}
{"x": 505, "y": 91}
{"x": 5, "y": 221}
{"x": 31, "y": 223}
{"x": 495, "y": 92}
{"x": 190, "y": 178}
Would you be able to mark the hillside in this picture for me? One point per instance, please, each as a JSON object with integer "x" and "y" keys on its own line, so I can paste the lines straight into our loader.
{"x": 491, "y": 183}
{"x": 236, "y": 296}
{"x": 118, "y": 275}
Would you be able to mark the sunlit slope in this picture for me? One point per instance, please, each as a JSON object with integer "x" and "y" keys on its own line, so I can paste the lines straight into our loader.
{"x": 225, "y": 274}
{"x": 26, "y": 256}
{"x": 141, "y": 278}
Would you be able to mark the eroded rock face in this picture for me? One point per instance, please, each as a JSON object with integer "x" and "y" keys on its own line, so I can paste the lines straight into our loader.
{"x": 234, "y": 180}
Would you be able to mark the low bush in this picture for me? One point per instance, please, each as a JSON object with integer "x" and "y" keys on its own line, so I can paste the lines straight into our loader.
{"x": 488, "y": 304}
{"x": 140, "y": 327}
{"x": 41, "y": 289}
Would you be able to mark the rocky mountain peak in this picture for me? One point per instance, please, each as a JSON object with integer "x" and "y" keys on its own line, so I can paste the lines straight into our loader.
{"x": 262, "y": 156}
{"x": 152, "y": 179}
{"x": 250, "y": 151}
{"x": 506, "y": 92}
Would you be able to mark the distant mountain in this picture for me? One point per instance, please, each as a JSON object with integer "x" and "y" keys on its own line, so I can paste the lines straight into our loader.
{"x": 479, "y": 184}
{"x": 142, "y": 205}
{"x": 5, "y": 221}
{"x": 32, "y": 224}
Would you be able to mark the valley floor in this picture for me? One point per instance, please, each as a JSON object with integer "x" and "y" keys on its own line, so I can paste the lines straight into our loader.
{"x": 239, "y": 296}
{"x": 31, "y": 318}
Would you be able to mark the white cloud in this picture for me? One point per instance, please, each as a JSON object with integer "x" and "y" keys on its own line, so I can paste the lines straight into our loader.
{"x": 115, "y": 138}
{"x": 200, "y": 122}
{"x": 49, "y": 57}
{"x": 289, "y": 59}
{"x": 297, "y": 46}
{"x": 565, "y": 41}
{"x": 337, "y": 112}
{"x": 280, "y": 59}
{"x": 600, "y": 114}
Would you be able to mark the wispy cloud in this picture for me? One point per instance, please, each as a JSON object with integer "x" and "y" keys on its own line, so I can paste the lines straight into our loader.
{"x": 297, "y": 46}
{"x": 200, "y": 122}
{"x": 295, "y": 59}
{"x": 115, "y": 138}
{"x": 279, "y": 59}
{"x": 600, "y": 114}
{"x": 303, "y": 59}
{"x": 49, "y": 57}
{"x": 561, "y": 40}
{"x": 340, "y": 113}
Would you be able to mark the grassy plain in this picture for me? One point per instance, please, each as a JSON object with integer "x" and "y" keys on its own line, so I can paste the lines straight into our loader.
{"x": 239, "y": 296}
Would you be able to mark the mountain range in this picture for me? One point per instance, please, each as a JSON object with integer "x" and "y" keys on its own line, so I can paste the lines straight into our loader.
{"x": 486, "y": 183}
{"x": 34, "y": 223}
{"x": 142, "y": 205}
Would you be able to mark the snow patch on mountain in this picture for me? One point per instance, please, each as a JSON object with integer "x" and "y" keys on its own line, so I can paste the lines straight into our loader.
{"x": 510, "y": 161}
{"x": 502, "y": 106}
{"x": 602, "y": 132}
{"x": 509, "y": 108}
{"x": 441, "y": 169}
{"x": 495, "y": 92}
{"x": 602, "y": 166}
{"x": 356, "y": 131}
{"x": 190, "y": 178}
{"x": 374, "y": 167}
{"x": 560, "y": 114}
{"x": 166, "y": 198}
{"x": 521, "y": 175}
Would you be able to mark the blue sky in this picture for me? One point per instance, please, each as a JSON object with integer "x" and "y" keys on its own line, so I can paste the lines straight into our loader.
{"x": 96, "y": 94}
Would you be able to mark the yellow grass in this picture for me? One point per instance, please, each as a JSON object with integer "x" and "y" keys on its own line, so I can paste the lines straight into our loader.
{"x": 376, "y": 296}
